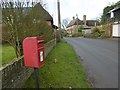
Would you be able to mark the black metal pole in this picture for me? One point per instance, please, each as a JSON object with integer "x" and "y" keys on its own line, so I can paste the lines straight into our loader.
{"x": 36, "y": 74}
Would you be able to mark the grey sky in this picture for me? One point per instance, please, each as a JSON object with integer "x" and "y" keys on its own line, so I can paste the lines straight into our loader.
{"x": 69, "y": 8}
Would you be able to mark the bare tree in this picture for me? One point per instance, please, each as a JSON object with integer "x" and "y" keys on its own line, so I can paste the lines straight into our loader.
{"x": 12, "y": 16}
{"x": 65, "y": 22}
{"x": 15, "y": 24}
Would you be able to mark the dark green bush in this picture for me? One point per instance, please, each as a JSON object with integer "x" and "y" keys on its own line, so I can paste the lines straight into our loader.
{"x": 80, "y": 28}
{"x": 65, "y": 33}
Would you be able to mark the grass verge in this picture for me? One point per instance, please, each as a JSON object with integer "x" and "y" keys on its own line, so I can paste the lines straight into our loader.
{"x": 62, "y": 70}
{"x": 8, "y": 54}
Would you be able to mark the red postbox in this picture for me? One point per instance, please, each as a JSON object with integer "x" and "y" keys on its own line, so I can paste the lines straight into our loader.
{"x": 33, "y": 49}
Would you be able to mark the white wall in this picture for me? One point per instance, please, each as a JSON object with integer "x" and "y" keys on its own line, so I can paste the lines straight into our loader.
{"x": 116, "y": 30}
{"x": 87, "y": 31}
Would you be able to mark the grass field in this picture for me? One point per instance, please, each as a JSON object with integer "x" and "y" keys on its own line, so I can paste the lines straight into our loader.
{"x": 8, "y": 54}
{"x": 62, "y": 70}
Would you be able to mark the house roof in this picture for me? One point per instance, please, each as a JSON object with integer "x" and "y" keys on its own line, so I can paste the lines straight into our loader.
{"x": 41, "y": 12}
{"x": 88, "y": 22}
{"x": 38, "y": 11}
{"x": 76, "y": 21}
{"x": 116, "y": 8}
{"x": 91, "y": 22}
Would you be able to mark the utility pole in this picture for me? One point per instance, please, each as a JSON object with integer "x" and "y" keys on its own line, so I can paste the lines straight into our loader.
{"x": 59, "y": 19}
{"x": 77, "y": 20}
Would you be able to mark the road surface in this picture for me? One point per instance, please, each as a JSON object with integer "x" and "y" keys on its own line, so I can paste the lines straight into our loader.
{"x": 100, "y": 59}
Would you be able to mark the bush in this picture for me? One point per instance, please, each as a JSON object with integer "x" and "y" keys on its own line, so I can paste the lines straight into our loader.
{"x": 103, "y": 35}
{"x": 95, "y": 35}
{"x": 65, "y": 33}
{"x": 80, "y": 29}
{"x": 94, "y": 30}
{"x": 79, "y": 34}
{"x": 97, "y": 32}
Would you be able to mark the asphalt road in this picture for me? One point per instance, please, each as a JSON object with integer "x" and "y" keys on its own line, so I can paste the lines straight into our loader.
{"x": 100, "y": 59}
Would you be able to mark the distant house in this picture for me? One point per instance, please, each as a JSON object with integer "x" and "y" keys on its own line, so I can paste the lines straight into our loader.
{"x": 73, "y": 26}
{"x": 113, "y": 17}
{"x": 88, "y": 25}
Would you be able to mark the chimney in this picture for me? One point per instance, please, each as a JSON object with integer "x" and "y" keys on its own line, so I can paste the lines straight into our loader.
{"x": 84, "y": 19}
{"x": 95, "y": 24}
{"x": 73, "y": 18}
{"x": 76, "y": 15}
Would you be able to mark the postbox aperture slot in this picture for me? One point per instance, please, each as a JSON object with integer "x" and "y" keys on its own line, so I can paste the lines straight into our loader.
{"x": 40, "y": 41}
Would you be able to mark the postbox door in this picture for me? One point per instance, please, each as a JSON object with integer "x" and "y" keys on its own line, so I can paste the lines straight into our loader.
{"x": 41, "y": 56}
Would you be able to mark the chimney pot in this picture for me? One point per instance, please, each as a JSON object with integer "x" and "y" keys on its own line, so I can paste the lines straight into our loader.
{"x": 84, "y": 19}
{"x": 73, "y": 17}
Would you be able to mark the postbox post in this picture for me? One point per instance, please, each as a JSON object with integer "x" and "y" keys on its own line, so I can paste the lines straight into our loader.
{"x": 33, "y": 49}
{"x": 36, "y": 74}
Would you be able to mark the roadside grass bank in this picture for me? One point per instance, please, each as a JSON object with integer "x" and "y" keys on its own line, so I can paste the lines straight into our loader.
{"x": 8, "y": 53}
{"x": 62, "y": 70}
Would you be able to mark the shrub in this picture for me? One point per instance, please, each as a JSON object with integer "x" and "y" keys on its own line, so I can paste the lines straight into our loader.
{"x": 80, "y": 28}
{"x": 77, "y": 34}
{"x": 65, "y": 33}
{"x": 94, "y": 30}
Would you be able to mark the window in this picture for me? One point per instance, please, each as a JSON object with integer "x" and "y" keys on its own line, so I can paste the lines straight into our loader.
{"x": 112, "y": 15}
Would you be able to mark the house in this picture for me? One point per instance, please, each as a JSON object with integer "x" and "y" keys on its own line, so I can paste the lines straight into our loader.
{"x": 30, "y": 15}
{"x": 73, "y": 26}
{"x": 88, "y": 25}
{"x": 39, "y": 13}
{"x": 113, "y": 17}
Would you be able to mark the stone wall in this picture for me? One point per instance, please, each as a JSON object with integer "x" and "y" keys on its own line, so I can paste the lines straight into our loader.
{"x": 15, "y": 74}
{"x": 108, "y": 29}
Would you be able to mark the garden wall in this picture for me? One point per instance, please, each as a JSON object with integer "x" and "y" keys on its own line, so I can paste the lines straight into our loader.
{"x": 108, "y": 29}
{"x": 15, "y": 74}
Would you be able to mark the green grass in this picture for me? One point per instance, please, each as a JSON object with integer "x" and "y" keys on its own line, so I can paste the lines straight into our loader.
{"x": 8, "y": 54}
{"x": 62, "y": 70}
{"x": 0, "y": 55}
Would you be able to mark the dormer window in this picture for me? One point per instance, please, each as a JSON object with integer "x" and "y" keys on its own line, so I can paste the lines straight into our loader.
{"x": 112, "y": 15}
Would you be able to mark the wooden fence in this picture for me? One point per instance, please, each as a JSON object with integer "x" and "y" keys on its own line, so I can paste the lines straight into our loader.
{"x": 14, "y": 75}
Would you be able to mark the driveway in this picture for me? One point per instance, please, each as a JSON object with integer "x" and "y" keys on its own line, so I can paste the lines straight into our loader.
{"x": 100, "y": 59}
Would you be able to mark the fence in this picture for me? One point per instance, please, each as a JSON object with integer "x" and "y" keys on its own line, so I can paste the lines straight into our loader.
{"x": 15, "y": 74}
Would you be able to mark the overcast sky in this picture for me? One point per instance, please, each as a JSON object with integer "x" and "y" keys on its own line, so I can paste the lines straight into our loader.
{"x": 69, "y": 8}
